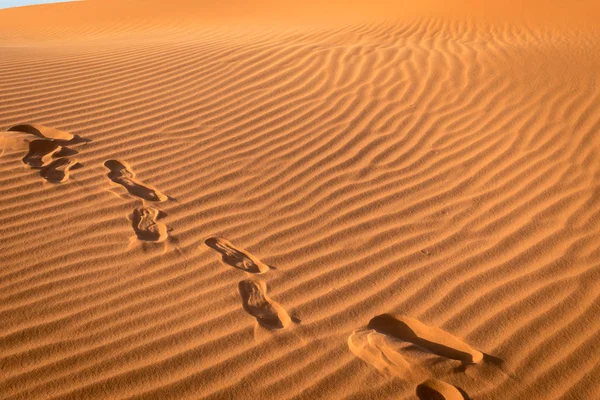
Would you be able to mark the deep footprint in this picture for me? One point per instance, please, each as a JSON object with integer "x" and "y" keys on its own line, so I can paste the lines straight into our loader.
{"x": 430, "y": 338}
{"x": 236, "y": 257}
{"x": 257, "y": 303}
{"x": 122, "y": 174}
{"x": 145, "y": 225}
{"x": 433, "y": 389}
{"x": 40, "y": 153}
{"x": 58, "y": 171}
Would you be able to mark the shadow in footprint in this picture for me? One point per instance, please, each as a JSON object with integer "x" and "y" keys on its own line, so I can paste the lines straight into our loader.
{"x": 427, "y": 337}
{"x": 433, "y": 389}
{"x": 146, "y": 226}
{"x": 237, "y": 257}
{"x": 40, "y": 153}
{"x": 122, "y": 174}
{"x": 257, "y": 303}
{"x": 58, "y": 171}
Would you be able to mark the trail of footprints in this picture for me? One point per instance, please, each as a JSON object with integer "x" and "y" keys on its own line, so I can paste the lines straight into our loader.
{"x": 385, "y": 344}
{"x": 255, "y": 300}
{"x": 50, "y": 155}
{"x": 144, "y": 220}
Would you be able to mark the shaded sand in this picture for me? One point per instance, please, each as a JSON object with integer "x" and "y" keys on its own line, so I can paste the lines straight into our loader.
{"x": 433, "y": 389}
{"x": 40, "y": 153}
{"x": 59, "y": 171}
{"x": 437, "y": 159}
{"x": 236, "y": 257}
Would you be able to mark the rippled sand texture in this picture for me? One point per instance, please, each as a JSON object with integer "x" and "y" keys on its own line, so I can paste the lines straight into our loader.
{"x": 433, "y": 167}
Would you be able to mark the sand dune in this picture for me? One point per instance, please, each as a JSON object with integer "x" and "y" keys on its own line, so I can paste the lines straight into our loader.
{"x": 421, "y": 161}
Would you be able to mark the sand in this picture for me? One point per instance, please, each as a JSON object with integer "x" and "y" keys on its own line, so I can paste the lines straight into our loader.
{"x": 300, "y": 200}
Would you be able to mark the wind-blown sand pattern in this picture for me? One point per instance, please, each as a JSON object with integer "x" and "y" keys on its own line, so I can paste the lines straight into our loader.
{"x": 430, "y": 163}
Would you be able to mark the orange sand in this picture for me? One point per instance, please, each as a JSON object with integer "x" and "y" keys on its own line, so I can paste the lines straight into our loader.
{"x": 434, "y": 161}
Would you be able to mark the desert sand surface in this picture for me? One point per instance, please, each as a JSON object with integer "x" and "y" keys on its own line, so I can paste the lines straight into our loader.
{"x": 300, "y": 200}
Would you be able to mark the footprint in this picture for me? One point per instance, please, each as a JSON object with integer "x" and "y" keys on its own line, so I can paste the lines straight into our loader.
{"x": 58, "y": 171}
{"x": 257, "y": 303}
{"x": 426, "y": 337}
{"x": 145, "y": 225}
{"x": 122, "y": 174}
{"x": 40, "y": 153}
{"x": 433, "y": 389}
{"x": 236, "y": 257}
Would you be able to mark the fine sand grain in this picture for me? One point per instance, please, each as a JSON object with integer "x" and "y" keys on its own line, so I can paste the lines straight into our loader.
{"x": 432, "y": 159}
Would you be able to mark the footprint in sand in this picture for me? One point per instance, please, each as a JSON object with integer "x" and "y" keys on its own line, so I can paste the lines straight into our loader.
{"x": 257, "y": 303}
{"x": 433, "y": 389}
{"x": 237, "y": 257}
{"x": 146, "y": 226}
{"x": 122, "y": 174}
{"x": 428, "y": 338}
{"x": 47, "y": 152}
{"x": 41, "y": 153}
{"x": 58, "y": 171}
